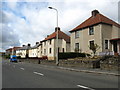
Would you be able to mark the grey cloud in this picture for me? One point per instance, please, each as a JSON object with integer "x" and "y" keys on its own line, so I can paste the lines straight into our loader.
{"x": 9, "y": 36}
{"x": 119, "y": 11}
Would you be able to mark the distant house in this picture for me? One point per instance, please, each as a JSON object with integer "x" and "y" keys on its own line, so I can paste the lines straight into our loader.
{"x": 48, "y": 45}
{"x": 23, "y": 52}
{"x": 12, "y": 51}
{"x": 8, "y": 51}
{"x": 2, "y": 53}
{"x": 33, "y": 51}
{"x": 97, "y": 29}
{"x": 40, "y": 50}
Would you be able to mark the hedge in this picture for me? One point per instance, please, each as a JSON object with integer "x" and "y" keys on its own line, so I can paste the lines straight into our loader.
{"x": 71, "y": 55}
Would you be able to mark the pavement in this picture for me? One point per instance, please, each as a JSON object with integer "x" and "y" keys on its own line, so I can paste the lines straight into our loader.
{"x": 96, "y": 71}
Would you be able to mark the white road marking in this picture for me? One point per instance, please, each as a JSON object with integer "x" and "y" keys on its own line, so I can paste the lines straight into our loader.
{"x": 85, "y": 87}
{"x": 39, "y": 73}
{"x": 22, "y": 68}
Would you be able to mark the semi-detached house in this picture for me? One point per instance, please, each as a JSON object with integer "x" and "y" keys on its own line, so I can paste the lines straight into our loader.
{"x": 48, "y": 45}
{"x": 97, "y": 29}
{"x": 12, "y": 51}
{"x": 23, "y": 52}
{"x": 33, "y": 51}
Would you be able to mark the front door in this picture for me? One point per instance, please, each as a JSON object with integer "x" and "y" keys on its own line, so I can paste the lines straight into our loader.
{"x": 115, "y": 47}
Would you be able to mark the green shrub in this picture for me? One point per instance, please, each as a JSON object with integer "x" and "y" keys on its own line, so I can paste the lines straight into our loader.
{"x": 71, "y": 55}
{"x": 7, "y": 56}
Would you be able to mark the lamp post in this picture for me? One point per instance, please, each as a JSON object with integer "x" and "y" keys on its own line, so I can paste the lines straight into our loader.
{"x": 57, "y": 62}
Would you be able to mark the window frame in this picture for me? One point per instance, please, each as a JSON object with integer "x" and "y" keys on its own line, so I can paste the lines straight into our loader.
{"x": 44, "y": 51}
{"x": 45, "y": 43}
{"x": 50, "y": 41}
{"x": 91, "y": 43}
{"x": 77, "y": 47}
{"x": 107, "y": 44}
{"x": 50, "y": 50}
{"x": 63, "y": 50}
{"x": 77, "y": 34}
{"x": 91, "y": 33}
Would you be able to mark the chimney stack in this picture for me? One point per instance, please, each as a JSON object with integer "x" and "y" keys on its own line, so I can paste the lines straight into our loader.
{"x": 95, "y": 12}
{"x": 29, "y": 45}
{"x": 40, "y": 41}
{"x": 57, "y": 28}
{"x": 37, "y": 43}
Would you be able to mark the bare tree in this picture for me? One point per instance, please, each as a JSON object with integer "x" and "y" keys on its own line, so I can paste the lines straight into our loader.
{"x": 94, "y": 48}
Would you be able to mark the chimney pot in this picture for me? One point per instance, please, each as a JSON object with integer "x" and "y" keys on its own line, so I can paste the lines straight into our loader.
{"x": 37, "y": 42}
{"x": 95, "y": 12}
{"x": 57, "y": 28}
{"x": 28, "y": 44}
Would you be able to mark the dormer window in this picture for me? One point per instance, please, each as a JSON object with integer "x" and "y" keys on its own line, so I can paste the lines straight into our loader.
{"x": 91, "y": 30}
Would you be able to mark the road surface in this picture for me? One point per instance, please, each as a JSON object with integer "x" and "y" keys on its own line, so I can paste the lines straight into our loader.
{"x": 26, "y": 75}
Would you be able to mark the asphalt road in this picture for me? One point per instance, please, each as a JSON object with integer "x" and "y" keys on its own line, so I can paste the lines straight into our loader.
{"x": 26, "y": 75}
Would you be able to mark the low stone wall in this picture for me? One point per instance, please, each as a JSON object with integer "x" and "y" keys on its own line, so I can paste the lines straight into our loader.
{"x": 76, "y": 63}
{"x": 112, "y": 63}
{"x": 38, "y": 61}
{"x": 108, "y": 64}
{"x": 67, "y": 63}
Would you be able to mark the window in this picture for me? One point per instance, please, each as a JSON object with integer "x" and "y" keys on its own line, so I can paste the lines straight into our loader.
{"x": 50, "y": 41}
{"x": 106, "y": 44}
{"x": 91, "y": 31}
{"x": 77, "y": 34}
{"x": 76, "y": 47}
{"x": 50, "y": 50}
{"x": 91, "y": 44}
{"x": 63, "y": 50}
{"x": 44, "y": 51}
{"x": 44, "y": 43}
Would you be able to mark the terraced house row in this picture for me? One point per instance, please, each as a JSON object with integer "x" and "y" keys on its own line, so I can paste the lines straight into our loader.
{"x": 47, "y": 47}
{"x": 97, "y": 29}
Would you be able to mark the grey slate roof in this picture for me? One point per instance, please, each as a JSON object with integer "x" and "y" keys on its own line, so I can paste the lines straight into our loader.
{"x": 24, "y": 48}
{"x": 37, "y": 45}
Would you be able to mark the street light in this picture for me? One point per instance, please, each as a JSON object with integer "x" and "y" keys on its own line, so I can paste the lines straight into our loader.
{"x": 57, "y": 62}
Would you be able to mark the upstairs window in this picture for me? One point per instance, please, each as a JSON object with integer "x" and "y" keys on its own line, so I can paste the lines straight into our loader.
{"x": 50, "y": 41}
{"x": 44, "y": 51}
{"x": 44, "y": 43}
{"x": 106, "y": 44}
{"x": 91, "y": 30}
{"x": 77, "y": 34}
{"x": 50, "y": 50}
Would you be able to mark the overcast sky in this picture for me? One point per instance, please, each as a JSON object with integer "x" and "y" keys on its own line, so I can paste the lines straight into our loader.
{"x": 30, "y": 21}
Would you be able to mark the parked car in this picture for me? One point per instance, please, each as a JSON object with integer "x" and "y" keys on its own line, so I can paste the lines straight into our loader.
{"x": 13, "y": 58}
